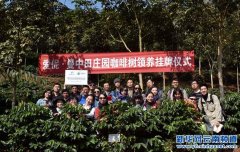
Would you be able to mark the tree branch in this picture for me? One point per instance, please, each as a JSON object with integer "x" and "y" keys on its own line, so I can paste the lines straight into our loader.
{"x": 114, "y": 37}
{"x": 121, "y": 40}
{"x": 124, "y": 43}
{"x": 210, "y": 13}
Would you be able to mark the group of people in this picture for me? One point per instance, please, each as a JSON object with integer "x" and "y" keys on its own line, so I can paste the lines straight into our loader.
{"x": 204, "y": 102}
{"x": 93, "y": 98}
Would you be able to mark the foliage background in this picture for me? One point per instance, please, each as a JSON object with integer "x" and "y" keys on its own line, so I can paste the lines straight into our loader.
{"x": 29, "y": 28}
{"x": 28, "y": 127}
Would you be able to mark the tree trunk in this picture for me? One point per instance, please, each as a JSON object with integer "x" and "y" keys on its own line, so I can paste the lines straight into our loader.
{"x": 140, "y": 50}
{"x": 140, "y": 80}
{"x": 211, "y": 74}
{"x": 219, "y": 63}
{"x": 199, "y": 65}
{"x": 211, "y": 64}
{"x": 237, "y": 79}
{"x": 14, "y": 93}
{"x": 164, "y": 81}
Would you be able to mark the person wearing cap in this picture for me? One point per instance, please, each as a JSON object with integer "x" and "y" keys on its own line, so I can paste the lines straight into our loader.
{"x": 192, "y": 101}
{"x": 116, "y": 93}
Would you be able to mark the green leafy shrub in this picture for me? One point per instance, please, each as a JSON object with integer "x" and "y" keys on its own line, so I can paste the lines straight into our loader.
{"x": 231, "y": 106}
{"x": 28, "y": 127}
{"x": 146, "y": 130}
{"x": 32, "y": 128}
{"x": 27, "y": 91}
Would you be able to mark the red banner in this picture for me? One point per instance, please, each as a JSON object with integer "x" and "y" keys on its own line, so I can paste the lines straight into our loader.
{"x": 121, "y": 62}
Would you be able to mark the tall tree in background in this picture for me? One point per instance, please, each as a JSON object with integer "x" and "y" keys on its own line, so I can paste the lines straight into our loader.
{"x": 194, "y": 29}
{"x": 26, "y": 28}
{"x": 134, "y": 24}
{"x": 87, "y": 27}
{"x": 206, "y": 24}
{"x": 220, "y": 11}
{"x": 233, "y": 47}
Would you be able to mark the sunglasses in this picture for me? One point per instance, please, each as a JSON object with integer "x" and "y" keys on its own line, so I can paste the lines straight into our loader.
{"x": 136, "y": 88}
{"x": 102, "y": 98}
{"x": 96, "y": 91}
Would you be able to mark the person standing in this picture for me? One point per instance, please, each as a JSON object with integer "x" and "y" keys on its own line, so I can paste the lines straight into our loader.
{"x": 124, "y": 95}
{"x": 130, "y": 88}
{"x": 157, "y": 94}
{"x": 150, "y": 85}
{"x": 106, "y": 89}
{"x": 195, "y": 89}
{"x": 177, "y": 95}
{"x": 56, "y": 91}
{"x": 138, "y": 101}
{"x": 75, "y": 92}
{"x": 195, "y": 95}
{"x": 97, "y": 93}
{"x": 138, "y": 91}
{"x": 85, "y": 93}
{"x": 175, "y": 86}
{"x": 92, "y": 86}
{"x": 89, "y": 103}
{"x": 116, "y": 93}
{"x": 58, "y": 103}
{"x": 98, "y": 114}
{"x": 149, "y": 103}
{"x": 73, "y": 101}
{"x": 46, "y": 100}
{"x": 65, "y": 95}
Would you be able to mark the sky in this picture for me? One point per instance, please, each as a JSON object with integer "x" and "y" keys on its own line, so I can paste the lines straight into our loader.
{"x": 68, "y": 3}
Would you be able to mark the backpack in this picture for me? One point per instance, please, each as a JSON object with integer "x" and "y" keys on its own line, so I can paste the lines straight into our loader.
{"x": 211, "y": 100}
{"x": 223, "y": 110}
